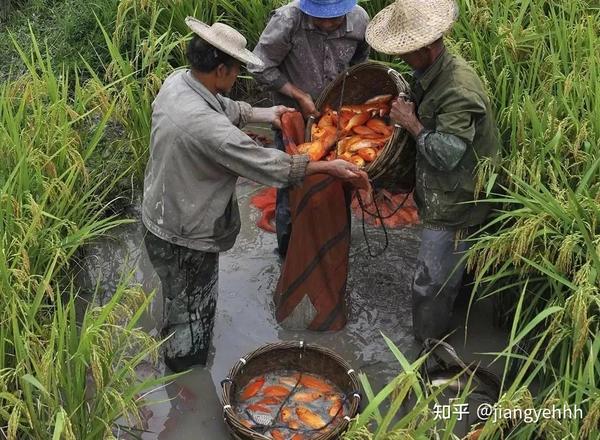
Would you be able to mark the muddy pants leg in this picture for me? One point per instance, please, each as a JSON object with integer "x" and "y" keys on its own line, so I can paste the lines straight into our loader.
{"x": 189, "y": 285}
{"x": 283, "y": 216}
{"x": 436, "y": 283}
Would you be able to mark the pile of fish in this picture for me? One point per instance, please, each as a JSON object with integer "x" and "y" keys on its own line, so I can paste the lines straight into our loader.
{"x": 289, "y": 405}
{"x": 358, "y": 132}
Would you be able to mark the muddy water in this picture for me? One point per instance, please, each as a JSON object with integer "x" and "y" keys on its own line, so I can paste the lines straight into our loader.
{"x": 379, "y": 290}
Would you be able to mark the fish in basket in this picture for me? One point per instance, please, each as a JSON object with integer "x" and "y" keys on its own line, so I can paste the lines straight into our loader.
{"x": 356, "y": 133}
{"x": 291, "y": 405}
{"x": 355, "y": 125}
{"x": 290, "y": 391}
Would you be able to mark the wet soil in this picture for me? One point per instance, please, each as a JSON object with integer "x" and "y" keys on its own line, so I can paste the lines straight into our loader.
{"x": 379, "y": 289}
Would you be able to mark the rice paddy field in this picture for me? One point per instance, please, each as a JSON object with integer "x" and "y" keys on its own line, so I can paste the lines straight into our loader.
{"x": 77, "y": 84}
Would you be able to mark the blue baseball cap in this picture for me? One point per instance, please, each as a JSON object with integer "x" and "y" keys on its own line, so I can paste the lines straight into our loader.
{"x": 326, "y": 8}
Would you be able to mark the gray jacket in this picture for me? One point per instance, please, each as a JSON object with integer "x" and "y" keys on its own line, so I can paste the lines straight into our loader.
{"x": 197, "y": 153}
{"x": 294, "y": 50}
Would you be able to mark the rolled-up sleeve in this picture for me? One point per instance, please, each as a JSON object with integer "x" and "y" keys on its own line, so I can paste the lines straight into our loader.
{"x": 443, "y": 151}
{"x": 269, "y": 166}
{"x": 273, "y": 46}
{"x": 455, "y": 126}
{"x": 238, "y": 112}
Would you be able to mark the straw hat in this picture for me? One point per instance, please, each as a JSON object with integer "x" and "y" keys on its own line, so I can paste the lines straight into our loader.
{"x": 409, "y": 25}
{"x": 225, "y": 38}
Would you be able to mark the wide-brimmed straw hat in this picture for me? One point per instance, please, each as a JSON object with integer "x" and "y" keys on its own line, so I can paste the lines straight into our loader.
{"x": 409, "y": 25}
{"x": 225, "y": 38}
{"x": 326, "y": 8}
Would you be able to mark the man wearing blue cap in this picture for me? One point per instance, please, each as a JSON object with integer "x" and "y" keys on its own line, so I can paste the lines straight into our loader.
{"x": 305, "y": 46}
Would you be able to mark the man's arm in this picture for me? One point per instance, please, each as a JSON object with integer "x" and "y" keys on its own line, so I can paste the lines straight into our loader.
{"x": 273, "y": 46}
{"x": 241, "y": 156}
{"x": 269, "y": 114}
{"x": 445, "y": 146}
{"x": 304, "y": 100}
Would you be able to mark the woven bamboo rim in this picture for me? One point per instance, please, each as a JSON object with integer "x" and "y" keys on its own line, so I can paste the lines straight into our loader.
{"x": 229, "y": 386}
{"x": 361, "y": 82}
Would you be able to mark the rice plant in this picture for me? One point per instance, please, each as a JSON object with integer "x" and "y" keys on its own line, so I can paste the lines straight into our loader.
{"x": 69, "y": 376}
{"x": 66, "y": 370}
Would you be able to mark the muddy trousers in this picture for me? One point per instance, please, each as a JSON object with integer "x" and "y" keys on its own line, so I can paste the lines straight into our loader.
{"x": 437, "y": 281}
{"x": 189, "y": 281}
{"x": 283, "y": 215}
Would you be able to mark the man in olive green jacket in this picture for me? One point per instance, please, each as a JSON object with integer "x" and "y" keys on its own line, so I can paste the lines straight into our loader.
{"x": 452, "y": 122}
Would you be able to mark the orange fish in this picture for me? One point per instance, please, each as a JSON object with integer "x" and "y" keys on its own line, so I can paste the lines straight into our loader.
{"x": 357, "y": 120}
{"x": 373, "y": 107}
{"x": 325, "y": 121}
{"x": 364, "y": 143}
{"x": 276, "y": 390}
{"x": 277, "y": 435}
{"x": 345, "y": 117}
{"x": 255, "y": 407}
{"x": 336, "y": 406}
{"x": 375, "y": 135}
{"x": 310, "y": 418}
{"x": 252, "y": 388}
{"x": 297, "y": 436}
{"x": 329, "y": 138}
{"x": 317, "y": 149}
{"x": 247, "y": 423}
{"x": 329, "y": 119}
{"x": 358, "y": 161}
{"x": 379, "y": 126}
{"x": 315, "y": 131}
{"x": 290, "y": 381}
{"x": 368, "y": 154}
{"x": 314, "y": 150}
{"x": 293, "y": 424}
{"x": 346, "y": 155}
{"x": 306, "y": 396}
{"x": 363, "y": 130}
{"x": 321, "y": 132}
{"x": 271, "y": 400}
{"x": 379, "y": 99}
{"x": 344, "y": 143}
{"x": 286, "y": 414}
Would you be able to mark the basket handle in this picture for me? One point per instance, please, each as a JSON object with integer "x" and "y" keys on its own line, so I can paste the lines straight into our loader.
{"x": 226, "y": 380}
{"x": 309, "y": 123}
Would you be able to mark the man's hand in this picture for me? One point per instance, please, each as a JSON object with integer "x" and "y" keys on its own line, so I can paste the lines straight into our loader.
{"x": 279, "y": 110}
{"x": 304, "y": 100}
{"x": 342, "y": 170}
{"x": 307, "y": 106}
{"x": 404, "y": 114}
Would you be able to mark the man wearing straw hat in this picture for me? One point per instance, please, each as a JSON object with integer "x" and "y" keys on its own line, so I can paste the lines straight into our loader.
{"x": 197, "y": 152}
{"x": 453, "y": 124}
{"x": 305, "y": 46}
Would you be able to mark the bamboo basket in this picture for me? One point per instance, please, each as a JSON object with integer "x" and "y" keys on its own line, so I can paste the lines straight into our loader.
{"x": 394, "y": 167}
{"x": 294, "y": 355}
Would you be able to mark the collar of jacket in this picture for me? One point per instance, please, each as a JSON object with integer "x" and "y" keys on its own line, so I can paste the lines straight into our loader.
{"x": 201, "y": 90}
{"x": 339, "y": 32}
{"x": 434, "y": 70}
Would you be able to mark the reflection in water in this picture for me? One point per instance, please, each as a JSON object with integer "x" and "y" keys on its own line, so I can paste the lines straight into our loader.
{"x": 380, "y": 303}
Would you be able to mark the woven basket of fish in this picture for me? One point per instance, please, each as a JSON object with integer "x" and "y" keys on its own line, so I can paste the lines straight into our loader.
{"x": 290, "y": 391}
{"x": 354, "y": 125}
